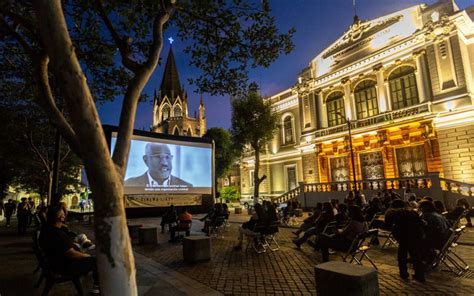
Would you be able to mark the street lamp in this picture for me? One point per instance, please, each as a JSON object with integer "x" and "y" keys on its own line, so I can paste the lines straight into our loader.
{"x": 348, "y": 121}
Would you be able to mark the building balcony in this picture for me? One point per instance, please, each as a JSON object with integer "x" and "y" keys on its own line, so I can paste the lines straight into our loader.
{"x": 387, "y": 117}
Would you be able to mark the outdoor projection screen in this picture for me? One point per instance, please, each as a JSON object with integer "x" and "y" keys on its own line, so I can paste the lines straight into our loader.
{"x": 186, "y": 166}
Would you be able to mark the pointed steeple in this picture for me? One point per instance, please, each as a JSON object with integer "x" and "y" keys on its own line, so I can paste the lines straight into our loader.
{"x": 170, "y": 85}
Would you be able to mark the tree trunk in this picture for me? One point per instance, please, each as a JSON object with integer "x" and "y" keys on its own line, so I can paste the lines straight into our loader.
{"x": 116, "y": 264}
{"x": 50, "y": 186}
{"x": 256, "y": 179}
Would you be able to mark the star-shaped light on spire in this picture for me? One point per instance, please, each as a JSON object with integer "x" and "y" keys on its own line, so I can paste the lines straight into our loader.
{"x": 171, "y": 40}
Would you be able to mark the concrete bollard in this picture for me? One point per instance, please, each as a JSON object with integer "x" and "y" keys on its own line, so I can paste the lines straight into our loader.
{"x": 133, "y": 230}
{"x": 341, "y": 278}
{"x": 147, "y": 235}
{"x": 196, "y": 249}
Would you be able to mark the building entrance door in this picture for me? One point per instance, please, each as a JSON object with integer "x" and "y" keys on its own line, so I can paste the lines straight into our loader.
{"x": 291, "y": 178}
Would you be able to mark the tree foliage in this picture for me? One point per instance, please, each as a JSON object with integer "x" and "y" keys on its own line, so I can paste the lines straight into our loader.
{"x": 253, "y": 123}
{"x": 225, "y": 153}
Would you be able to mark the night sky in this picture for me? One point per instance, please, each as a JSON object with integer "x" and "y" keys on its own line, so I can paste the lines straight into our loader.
{"x": 318, "y": 23}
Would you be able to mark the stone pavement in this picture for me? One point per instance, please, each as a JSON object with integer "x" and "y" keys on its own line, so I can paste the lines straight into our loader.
{"x": 289, "y": 271}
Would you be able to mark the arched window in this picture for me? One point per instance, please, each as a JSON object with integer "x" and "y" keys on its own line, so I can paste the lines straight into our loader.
{"x": 403, "y": 91}
{"x": 335, "y": 108}
{"x": 177, "y": 111}
{"x": 288, "y": 136}
{"x": 365, "y": 95}
{"x": 176, "y": 131}
{"x": 165, "y": 113}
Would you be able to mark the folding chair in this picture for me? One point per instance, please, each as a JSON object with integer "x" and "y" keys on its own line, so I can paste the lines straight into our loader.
{"x": 457, "y": 265}
{"x": 269, "y": 237}
{"x": 216, "y": 228}
{"x": 360, "y": 245}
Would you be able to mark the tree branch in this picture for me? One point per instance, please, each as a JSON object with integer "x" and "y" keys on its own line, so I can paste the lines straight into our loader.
{"x": 134, "y": 89}
{"x": 121, "y": 43}
{"x": 37, "y": 152}
{"x": 18, "y": 37}
{"x": 46, "y": 99}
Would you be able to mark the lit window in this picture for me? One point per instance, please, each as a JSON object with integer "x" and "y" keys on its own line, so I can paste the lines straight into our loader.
{"x": 403, "y": 91}
{"x": 177, "y": 111}
{"x": 365, "y": 95}
{"x": 335, "y": 106}
{"x": 165, "y": 112}
{"x": 288, "y": 136}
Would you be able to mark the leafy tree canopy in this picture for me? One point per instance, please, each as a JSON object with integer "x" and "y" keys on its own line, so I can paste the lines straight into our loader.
{"x": 225, "y": 153}
{"x": 253, "y": 121}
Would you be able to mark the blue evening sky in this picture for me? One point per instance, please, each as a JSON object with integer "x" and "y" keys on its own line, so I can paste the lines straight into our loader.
{"x": 318, "y": 23}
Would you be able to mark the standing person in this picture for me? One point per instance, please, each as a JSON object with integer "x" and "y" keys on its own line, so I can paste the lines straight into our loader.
{"x": 22, "y": 213}
{"x": 31, "y": 204}
{"x": 9, "y": 210}
{"x": 81, "y": 205}
{"x": 169, "y": 218}
{"x": 408, "y": 230}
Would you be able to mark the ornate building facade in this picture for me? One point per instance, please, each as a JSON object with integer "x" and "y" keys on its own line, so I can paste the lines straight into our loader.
{"x": 404, "y": 84}
{"x": 170, "y": 106}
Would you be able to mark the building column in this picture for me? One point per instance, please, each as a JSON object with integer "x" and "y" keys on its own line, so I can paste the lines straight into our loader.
{"x": 387, "y": 92}
{"x": 381, "y": 91}
{"x": 348, "y": 99}
{"x": 324, "y": 115}
{"x": 418, "y": 73}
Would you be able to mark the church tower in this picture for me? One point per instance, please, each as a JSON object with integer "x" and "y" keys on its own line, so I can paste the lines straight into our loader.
{"x": 170, "y": 106}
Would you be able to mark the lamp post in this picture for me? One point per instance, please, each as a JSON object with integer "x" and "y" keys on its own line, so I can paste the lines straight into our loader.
{"x": 348, "y": 121}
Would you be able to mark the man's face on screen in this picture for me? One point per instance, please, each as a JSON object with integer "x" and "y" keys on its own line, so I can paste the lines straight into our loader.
{"x": 158, "y": 158}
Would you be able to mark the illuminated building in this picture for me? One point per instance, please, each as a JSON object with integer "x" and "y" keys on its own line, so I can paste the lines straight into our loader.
{"x": 170, "y": 106}
{"x": 405, "y": 82}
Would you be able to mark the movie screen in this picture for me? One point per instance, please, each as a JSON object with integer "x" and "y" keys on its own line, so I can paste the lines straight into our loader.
{"x": 167, "y": 166}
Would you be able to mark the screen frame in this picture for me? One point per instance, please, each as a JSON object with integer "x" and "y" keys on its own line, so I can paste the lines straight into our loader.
{"x": 110, "y": 130}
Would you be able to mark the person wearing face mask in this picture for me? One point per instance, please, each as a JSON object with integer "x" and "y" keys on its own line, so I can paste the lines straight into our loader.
{"x": 158, "y": 159}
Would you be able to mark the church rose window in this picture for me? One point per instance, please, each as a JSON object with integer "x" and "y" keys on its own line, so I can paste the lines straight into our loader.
{"x": 403, "y": 89}
{"x": 335, "y": 104}
{"x": 365, "y": 95}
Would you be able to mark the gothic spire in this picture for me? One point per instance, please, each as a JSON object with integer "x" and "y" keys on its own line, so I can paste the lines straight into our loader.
{"x": 170, "y": 85}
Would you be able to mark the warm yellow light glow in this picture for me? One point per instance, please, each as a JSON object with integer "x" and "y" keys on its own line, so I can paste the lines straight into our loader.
{"x": 308, "y": 139}
{"x": 455, "y": 119}
{"x": 382, "y": 104}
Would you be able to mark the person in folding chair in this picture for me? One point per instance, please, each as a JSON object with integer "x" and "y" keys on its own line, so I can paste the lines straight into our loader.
{"x": 342, "y": 239}
{"x": 184, "y": 224}
{"x": 247, "y": 228}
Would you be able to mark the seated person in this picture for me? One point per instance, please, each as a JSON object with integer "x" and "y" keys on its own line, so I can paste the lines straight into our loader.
{"x": 439, "y": 206}
{"x": 326, "y": 216}
{"x": 184, "y": 223}
{"x": 436, "y": 230}
{"x": 81, "y": 240}
{"x": 342, "y": 239}
{"x": 462, "y": 208}
{"x": 310, "y": 220}
{"x": 63, "y": 255}
{"x": 247, "y": 228}
{"x": 374, "y": 207}
{"x": 169, "y": 218}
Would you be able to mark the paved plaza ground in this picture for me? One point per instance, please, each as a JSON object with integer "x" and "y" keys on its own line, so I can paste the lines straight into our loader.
{"x": 289, "y": 271}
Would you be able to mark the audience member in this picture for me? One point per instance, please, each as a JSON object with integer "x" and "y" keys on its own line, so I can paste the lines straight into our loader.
{"x": 169, "y": 218}
{"x": 63, "y": 255}
{"x": 408, "y": 230}
{"x": 437, "y": 226}
{"x": 247, "y": 228}
{"x": 342, "y": 239}
{"x": 326, "y": 216}
{"x": 439, "y": 206}
{"x": 184, "y": 224}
